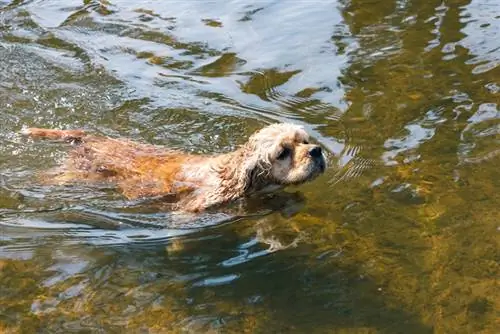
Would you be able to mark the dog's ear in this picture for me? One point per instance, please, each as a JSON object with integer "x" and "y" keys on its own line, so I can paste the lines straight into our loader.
{"x": 255, "y": 167}
{"x": 248, "y": 168}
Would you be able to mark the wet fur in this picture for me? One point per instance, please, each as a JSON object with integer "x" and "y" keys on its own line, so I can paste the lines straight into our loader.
{"x": 196, "y": 182}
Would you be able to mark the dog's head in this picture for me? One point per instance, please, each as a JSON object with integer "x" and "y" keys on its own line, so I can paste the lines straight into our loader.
{"x": 280, "y": 154}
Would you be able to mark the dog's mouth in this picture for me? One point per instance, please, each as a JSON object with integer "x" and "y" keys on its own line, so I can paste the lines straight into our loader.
{"x": 316, "y": 168}
{"x": 319, "y": 165}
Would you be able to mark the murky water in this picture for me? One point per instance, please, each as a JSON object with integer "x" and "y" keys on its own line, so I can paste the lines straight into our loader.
{"x": 399, "y": 235}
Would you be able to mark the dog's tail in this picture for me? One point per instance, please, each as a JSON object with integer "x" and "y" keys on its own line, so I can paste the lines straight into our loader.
{"x": 66, "y": 135}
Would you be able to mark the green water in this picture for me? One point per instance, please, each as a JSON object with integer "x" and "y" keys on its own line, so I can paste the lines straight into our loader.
{"x": 400, "y": 235}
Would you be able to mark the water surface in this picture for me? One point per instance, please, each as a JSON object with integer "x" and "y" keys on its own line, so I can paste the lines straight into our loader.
{"x": 399, "y": 235}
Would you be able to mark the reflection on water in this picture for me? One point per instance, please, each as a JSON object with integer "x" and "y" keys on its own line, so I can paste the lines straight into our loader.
{"x": 400, "y": 234}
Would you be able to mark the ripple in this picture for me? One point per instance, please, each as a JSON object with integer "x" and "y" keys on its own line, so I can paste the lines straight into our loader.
{"x": 479, "y": 141}
{"x": 215, "y": 281}
{"x": 481, "y": 29}
{"x": 416, "y": 133}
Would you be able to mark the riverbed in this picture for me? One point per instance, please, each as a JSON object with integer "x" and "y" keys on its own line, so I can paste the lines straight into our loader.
{"x": 399, "y": 235}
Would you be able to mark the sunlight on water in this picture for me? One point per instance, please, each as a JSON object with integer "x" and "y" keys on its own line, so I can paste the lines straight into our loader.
{"x": 400, "y": 234}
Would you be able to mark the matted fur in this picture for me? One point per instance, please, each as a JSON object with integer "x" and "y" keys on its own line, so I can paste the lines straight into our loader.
{"x": 195, "y": 182}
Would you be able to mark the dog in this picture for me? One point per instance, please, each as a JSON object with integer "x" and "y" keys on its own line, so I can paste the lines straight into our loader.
{"x": 277, "y": 155}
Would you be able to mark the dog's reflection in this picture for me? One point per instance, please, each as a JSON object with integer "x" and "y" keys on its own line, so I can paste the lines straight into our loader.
{"x": 269, "y": 231}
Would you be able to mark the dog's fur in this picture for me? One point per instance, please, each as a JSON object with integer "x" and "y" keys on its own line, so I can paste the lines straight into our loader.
{"x": 196, "y": 182}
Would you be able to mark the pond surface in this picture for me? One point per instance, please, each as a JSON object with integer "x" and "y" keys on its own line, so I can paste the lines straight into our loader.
{"x": 401, "y": 234}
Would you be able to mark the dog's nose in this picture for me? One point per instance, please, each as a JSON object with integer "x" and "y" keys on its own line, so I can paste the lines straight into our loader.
{"x": 315, "y": 152}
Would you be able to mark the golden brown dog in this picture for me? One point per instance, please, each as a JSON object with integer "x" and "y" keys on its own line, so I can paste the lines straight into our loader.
{"x": 277, "y": 155}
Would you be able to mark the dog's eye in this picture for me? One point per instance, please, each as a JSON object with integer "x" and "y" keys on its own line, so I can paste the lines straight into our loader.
{"x": 305, "y": 142}
{"x": 285, "y": 153}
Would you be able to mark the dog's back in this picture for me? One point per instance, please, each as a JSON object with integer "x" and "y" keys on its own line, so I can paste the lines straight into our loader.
{"x": 140, "y": 170}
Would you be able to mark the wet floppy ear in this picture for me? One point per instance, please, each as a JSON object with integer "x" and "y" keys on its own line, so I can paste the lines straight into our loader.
{"x": 250, "y": 170}
{"x": 255, "y": 165}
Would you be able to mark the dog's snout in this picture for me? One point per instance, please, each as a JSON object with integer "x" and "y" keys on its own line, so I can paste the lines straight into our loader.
{"x": 315, "y": 152}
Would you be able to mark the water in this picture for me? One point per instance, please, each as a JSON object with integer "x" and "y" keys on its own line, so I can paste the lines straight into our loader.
{"x": 399, "y": 235}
